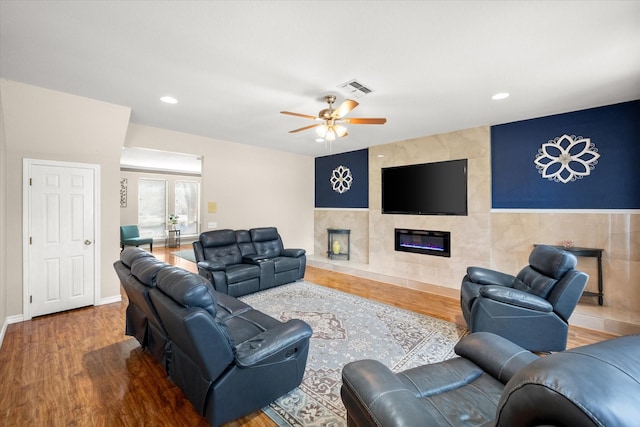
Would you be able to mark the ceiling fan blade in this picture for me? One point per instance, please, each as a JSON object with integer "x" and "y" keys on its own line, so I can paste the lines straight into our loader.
{"x": 306, "y": 116}
{"x": 305, "y": 128}
{"x": 344, "y": 108}
{"x": 363, "y": 121}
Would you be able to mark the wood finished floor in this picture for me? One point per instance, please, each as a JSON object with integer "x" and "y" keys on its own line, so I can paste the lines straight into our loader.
{"x": 77, "y": 368}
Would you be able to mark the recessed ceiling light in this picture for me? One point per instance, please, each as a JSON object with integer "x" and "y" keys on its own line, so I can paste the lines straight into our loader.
{"x": 169, "y": 100}
{"x": 380, "y": 155}
{"x": 501, "y": 95}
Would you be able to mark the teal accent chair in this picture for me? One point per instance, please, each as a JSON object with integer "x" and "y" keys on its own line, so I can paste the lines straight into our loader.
{"x": 130, "y": 236}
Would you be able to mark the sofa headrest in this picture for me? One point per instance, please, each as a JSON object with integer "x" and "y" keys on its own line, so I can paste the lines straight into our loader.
{"x": 132, "y": 253}
{"x": 598, "y": 384}
{"x": 146, "y": 270}
{"x": 264, "y": 234}
{"x": 243, "y": 236}
{"x": 215, "y": 238}
{"x": 551, "y": 262}
{"x": 187, "y": 289}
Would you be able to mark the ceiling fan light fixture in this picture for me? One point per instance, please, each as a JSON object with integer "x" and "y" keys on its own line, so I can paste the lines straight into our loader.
{"x": 340, "y": 130}
{"x": 321, "y": 131}
{"x": 331, "y": 134}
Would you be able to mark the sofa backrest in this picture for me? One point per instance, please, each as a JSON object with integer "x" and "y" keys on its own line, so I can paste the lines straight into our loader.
{"x": 546, "y": 266}
{"x": 220, "y": 245}
{"x": 565, "y": 294}
{"x": 130, "y": 254}
{"x": 187, "y": 289}
{"x": 201, "y": 348}
{"x": 267, "y": 241}
{"x": 146, "y": 269}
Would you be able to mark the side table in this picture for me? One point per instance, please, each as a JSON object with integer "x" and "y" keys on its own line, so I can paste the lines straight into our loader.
{"x": 173, "y": 239}
{"x": 342, "y": 253}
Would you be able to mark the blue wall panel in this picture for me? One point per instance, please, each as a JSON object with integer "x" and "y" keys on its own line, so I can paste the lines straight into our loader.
{"x": 342, "y": 180}
{"x": 613, "y": 179}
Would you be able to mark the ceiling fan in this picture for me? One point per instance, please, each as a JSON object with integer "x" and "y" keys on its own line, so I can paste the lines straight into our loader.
{"x": 331, "y": 119}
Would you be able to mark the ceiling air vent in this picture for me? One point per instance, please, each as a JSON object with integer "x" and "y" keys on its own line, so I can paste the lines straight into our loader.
{"x": 356, "y": 88}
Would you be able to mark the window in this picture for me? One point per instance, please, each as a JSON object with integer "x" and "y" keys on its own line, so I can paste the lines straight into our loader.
{"x": 187, "y": 206}
{"x": 152, "y": 207}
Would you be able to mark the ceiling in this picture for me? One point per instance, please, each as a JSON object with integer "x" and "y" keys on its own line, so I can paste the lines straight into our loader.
{"x": 234, "y": 65}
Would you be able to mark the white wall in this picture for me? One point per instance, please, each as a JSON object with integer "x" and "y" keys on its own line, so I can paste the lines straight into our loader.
{"x": 252, "y": 187}
{"x": 3, "y": 227}
{"x": 50, "y": 125}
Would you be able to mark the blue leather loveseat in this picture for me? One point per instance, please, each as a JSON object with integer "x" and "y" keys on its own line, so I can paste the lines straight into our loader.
{"x": 240, "y": 262}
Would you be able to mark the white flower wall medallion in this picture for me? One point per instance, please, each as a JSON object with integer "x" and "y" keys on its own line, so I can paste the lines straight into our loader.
{"x": 341, "y": 179}
{"x": 566, "y": 158}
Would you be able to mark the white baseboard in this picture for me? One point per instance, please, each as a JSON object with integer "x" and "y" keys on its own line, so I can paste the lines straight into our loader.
{"x": 7, "y": 321}
{"x": 15, "y": 319}
{"x": 110, "y": 300}
{"x": 3, "y": 330}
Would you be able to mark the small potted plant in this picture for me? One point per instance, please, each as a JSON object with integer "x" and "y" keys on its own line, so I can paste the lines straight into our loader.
{"x": 173, "y": 220}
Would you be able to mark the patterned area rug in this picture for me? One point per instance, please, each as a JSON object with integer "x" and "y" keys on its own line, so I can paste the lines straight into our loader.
{"x": 347, "y": 328}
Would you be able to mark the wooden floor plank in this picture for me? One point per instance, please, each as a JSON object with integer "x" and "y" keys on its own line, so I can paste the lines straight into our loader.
{"x": 78, "y": 368}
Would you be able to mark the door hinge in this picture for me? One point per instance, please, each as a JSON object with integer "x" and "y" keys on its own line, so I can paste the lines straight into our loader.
{"x": 30, "y": 181}
{"x": 30, "y": 299}
{"x": 30, "y": 240}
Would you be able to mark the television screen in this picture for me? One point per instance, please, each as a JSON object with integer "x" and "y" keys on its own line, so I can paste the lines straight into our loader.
{"x": 438, "y": 188}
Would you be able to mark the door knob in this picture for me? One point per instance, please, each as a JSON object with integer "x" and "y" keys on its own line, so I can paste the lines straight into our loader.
{"x": 87, "y": 242}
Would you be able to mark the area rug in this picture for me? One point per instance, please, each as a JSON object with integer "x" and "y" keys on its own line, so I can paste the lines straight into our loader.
{"x": 186, "y": 254}
{"x": 347, "y": 328}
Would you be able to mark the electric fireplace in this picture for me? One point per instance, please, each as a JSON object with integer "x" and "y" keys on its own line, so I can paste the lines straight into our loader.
{"x": 436, "y": 243}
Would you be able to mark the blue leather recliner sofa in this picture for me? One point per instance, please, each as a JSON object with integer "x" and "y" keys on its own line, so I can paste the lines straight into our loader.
{"x": 227, "y": 358}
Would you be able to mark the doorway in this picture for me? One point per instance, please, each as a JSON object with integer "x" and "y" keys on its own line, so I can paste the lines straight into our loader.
{"x": 60, "y": 223}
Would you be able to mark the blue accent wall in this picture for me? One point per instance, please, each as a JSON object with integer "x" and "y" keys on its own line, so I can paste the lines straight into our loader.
{"x": 357, "y": 196}
{"x": 612, "y": 183}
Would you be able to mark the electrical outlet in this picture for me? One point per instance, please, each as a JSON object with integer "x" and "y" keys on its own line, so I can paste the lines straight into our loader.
{"x": 212, "y": 225}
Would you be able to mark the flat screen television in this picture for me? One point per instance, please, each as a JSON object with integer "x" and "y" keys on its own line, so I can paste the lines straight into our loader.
{"x": 438, "y": 188}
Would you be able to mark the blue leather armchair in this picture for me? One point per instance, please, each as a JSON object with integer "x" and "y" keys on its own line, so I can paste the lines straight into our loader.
{"x": 531, "y": 309}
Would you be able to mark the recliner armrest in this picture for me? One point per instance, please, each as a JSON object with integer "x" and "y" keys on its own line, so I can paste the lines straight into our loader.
{"x": 275, "y": 344}
{"x": 294, "y": 253}
{"x": 485, "y": 276}
{"x": 494, "y": 354}
{"x": 212, "y": 265}
{"x": 374, "y": 395}
{"x": 516, "y": 297}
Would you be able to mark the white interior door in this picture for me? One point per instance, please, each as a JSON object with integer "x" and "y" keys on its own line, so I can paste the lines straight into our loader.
{"x": 61, "y": 224}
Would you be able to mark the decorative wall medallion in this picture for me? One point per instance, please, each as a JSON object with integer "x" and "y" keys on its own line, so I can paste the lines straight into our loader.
{"x": 123, "y": 192}
{"x": 341, "y": 179}
{"x": 566, "y": 158}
